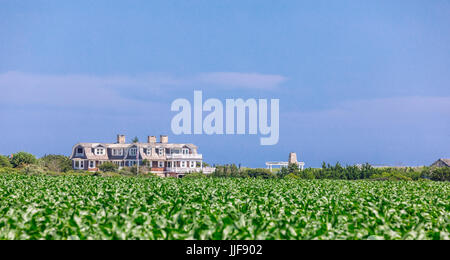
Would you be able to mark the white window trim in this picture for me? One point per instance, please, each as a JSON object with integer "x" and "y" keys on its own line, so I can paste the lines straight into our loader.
{"x": 117, "y": 152}
{"x": 99, "y": 151}
{"x": 80, "y": 165}
{"x": 133, "y": 151}
{"x": 91, "y": 164}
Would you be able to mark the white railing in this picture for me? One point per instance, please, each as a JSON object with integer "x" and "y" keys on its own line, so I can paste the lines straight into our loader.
{"x": 183, "y": 170}
{"x": 185, "y": 156}
{"x": 205, "y": 170}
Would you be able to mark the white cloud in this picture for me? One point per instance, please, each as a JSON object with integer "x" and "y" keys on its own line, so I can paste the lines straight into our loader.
{"x": 115, "y": 94}
{"x": 67, "y": 90}
{"x": 78, "y": 92}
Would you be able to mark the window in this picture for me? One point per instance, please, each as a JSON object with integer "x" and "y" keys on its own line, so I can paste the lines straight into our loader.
{"x": 79, "y": 150}
{"x": 192, "y": 164}
{"x": 160, "y": 151}
{"x": 99, "y": 151}
{"x": 183, "y": 164}
{"x": 131, "y": 163}
{"x": 91, "y": 164}
{"x": 133, "y": 151}
{"x": 185, "y": 151}
{"x": 117, "y": 152}
{"x": 78, "y": 165}
{"x": 161, "y": 164}
{"x": 149, "y": 151}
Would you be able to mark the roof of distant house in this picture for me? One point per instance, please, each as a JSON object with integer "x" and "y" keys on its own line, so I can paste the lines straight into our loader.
{"x": 446, "y": 161}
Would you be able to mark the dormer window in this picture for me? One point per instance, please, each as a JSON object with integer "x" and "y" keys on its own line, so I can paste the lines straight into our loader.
{"x": 99, "y": 151}
{"x": 133, "y": 151}
{"x": 117, "y": 152}
{"x": 79, "y": 150}
{"x": 149, "y": 151}
{"x": 185, "y": 151}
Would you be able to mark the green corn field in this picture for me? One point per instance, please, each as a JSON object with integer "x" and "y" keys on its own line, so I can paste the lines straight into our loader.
{"x": 87, "y": 207}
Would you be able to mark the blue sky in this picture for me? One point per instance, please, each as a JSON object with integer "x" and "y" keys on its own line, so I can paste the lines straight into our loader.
{"x": 358, "y": 81}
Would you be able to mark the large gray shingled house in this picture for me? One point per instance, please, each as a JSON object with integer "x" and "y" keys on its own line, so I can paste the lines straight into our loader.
{"x": 162, "y": 158}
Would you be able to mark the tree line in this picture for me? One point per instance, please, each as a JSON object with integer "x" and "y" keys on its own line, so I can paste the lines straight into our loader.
{"x": 29, "y": 164}
{"x": 338, "y": 172}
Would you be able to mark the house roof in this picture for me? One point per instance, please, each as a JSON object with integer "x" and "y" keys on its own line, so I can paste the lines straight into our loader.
{"x": 90, "y": 155}
{"x": 446, "y": 161}
{"x": 116, "y": 145}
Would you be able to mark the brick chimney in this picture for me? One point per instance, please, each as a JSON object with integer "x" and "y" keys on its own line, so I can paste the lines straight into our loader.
{"x": 120, "y": 139}
{"x": 164, "y": 139}
{"x": 151, "y": 139}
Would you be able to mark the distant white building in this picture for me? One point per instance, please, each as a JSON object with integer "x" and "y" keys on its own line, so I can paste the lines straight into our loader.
{"x": 292, "y": 160}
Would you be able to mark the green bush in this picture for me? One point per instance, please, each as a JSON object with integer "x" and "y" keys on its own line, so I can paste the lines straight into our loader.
{"x": 307, "y": 175}
{"x": 33, "y": 169}
{"x": 4, "y": 162}
{"x": 22, "y": 159}
{"x": 359, "y": 172}
{"x": 110, "y": 174}
{"x": 391, "y": 176}
{"x": 259, "y": 173}
{"x": 108, "y": 167}
{"x": 9, "y": 171}
{"x": 127, "y": 171}
{"x": 414, "y": 175}
{"x": 291, "y": 176}
{"x": 56, "y": 163}
{"x": 440, "y": 174}
{"x": 195, "y": 175}
{"x": 229, "y": 170}
{"x": 76, "y": 173}
{"x": 334, "y": 172}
